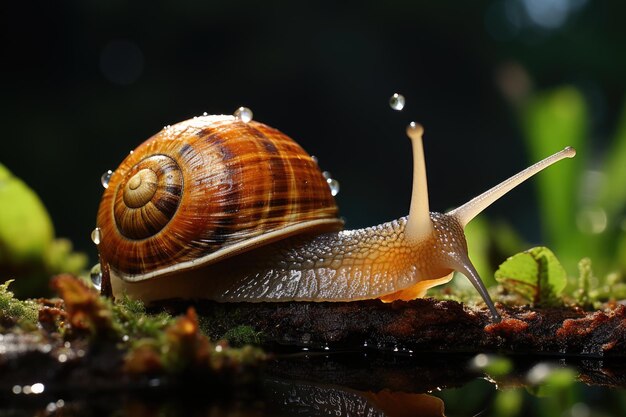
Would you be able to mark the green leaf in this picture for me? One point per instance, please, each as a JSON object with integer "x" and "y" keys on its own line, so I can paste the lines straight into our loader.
{"x": 536, "y": 274}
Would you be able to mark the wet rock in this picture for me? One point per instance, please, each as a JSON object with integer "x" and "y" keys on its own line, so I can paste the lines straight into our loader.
{"x": 425, "y": 325}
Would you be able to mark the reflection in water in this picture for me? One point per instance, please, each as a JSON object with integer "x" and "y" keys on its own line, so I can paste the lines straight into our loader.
{"x": 277, "y": 398}
{"x": 352, "y": 384}
{"x": 326, "y": 400}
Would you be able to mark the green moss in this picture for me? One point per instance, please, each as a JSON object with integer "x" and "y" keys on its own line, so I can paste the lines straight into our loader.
{"x": 243, "y": 335}
{"x": 181, "y": 347}
{"x": 13, "y": 312}
{"x": 133, "y": 321}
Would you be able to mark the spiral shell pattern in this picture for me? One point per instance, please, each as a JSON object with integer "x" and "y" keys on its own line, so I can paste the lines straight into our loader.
{"x": 148, "y": 197}
{"x": 207, "y": 188}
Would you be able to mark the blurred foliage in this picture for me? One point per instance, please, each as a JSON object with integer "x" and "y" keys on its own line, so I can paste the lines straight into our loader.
{"x": 582, "y": 206}
{"x": 545, "y": 389}
{"x": 29, "y": 253}
{"x": 25, "y": 227}
{"x": 551, "y": 121}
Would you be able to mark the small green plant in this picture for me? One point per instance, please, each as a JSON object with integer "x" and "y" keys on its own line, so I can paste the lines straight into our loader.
{"x": 536, "y": 274}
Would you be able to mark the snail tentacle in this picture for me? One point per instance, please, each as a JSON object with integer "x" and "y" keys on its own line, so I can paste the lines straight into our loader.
{"x": 476, "y": 205}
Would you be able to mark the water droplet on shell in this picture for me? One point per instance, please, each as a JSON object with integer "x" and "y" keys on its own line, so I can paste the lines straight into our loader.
{"x": 96, "y": 235}
{"x": 106, "y": 177}
{"x": 96, "y": 276}
{"x": 244, "y": 114}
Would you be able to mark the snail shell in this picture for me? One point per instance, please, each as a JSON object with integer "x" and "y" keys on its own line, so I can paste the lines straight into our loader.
{"x": 206, "y": 189}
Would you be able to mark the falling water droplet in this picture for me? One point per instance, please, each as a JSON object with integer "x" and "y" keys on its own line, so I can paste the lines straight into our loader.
{"x": 397, "y": 102}
{"x": 334, "y": 186}
{"x": 96, "y": 235}
{"x": 96, "y": 276}
{"x": 106, "y": 177}
{"x": 244, "y": 114}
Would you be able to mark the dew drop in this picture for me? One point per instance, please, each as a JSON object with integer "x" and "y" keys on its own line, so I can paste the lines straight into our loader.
{"x": 333, "y": 184}
{"x": 96, "y": 235}
{"x": 326, "y": 175}
{"x": 106, "y": 177}
{"x": 397, "y": 102}
{"x": 314, "y": 159}
{"x": 96, "y": 276}
{"x": 205, "y": 114}
{"x": 244, "y": 114}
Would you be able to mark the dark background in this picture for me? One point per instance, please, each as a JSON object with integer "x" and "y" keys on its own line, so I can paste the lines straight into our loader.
{"x": 85, "y": 82}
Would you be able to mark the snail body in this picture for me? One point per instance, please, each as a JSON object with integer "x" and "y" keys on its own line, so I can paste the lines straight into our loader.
{"x": 223, "y": 209}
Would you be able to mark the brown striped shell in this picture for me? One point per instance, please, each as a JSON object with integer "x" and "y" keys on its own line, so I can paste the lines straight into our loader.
{"x": 205, "y": 189}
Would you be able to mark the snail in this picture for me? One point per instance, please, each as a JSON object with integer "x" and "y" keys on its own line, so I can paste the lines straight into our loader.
{"x": 228, "y": 209}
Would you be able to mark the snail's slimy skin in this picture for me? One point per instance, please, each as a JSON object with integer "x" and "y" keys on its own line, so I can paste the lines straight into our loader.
{"x": 375, "y": 262}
